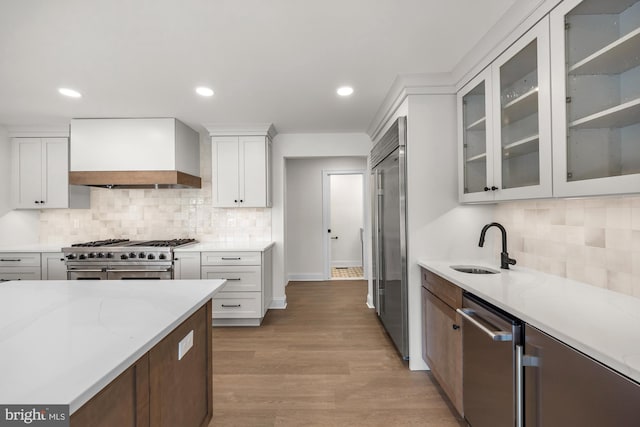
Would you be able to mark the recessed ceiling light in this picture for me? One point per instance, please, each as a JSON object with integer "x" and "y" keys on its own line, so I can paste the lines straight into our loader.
{"x": 70, "y": 92}
{"x": 345, "y": 90}
{"x": 204, "y": 91}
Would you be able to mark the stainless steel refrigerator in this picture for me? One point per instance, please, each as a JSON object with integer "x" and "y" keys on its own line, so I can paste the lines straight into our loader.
{"x": 388, "y": 183}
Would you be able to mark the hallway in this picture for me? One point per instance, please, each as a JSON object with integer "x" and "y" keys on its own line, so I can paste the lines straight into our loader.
{"x": 324, "y": 361}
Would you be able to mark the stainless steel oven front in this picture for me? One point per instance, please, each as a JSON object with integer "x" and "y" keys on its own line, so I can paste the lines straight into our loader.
{"x": 132, "y": 272}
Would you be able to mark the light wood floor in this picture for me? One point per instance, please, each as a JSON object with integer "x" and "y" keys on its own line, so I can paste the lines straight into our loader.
{"x": 324, "y": 361}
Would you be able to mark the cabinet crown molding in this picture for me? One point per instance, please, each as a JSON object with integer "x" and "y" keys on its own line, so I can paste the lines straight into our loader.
{"x": 405, "y": 85}
{"x": 39, "y": 131}
{"x": 246, "y": 129}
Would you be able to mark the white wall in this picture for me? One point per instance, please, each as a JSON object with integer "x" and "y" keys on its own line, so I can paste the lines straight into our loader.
{"x": 289, "y": 146}
{"x": 305, "y": 232}
{"x": 16, "y": 227}
{"x": 347, "y": 210}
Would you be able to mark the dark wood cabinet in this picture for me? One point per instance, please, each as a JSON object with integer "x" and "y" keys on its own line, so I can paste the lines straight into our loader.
{"x": 442, "y": 336}
{"x": 160, "y": 389}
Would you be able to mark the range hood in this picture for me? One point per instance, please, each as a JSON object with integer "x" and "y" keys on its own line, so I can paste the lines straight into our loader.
{"x": 134, "y": 153}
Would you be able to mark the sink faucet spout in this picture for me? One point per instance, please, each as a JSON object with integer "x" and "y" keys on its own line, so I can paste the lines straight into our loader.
{"x": 505, "y": 261}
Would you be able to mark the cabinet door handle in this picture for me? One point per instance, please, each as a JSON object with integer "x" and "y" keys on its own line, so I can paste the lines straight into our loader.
{"x": 37, "y": 202}
{"x": 455, "y": 327}
{"x": 232, "y": 278}
{"x": 231, "y": 258}
{"x": 486, "y": 189}
{"x": 235, "y": 201}
{"x": 231, "y": 305}
{"x": 241, "y": 201}
{"x": 10, "y": 259}
{"x": 494, "y": 188}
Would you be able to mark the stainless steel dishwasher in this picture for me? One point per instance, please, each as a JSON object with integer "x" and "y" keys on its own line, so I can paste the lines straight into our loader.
{"x": 491, "y": 351}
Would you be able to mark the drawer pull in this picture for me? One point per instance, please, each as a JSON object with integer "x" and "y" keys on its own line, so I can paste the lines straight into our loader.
{"x": 10, "y": 259}
{"x": 235, "y": 258}
{"x": 231, "y": 305}
{"x": 233, "y": 278}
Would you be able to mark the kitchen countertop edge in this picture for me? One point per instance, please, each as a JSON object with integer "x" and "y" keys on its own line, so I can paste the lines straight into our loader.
{"x": 226, "y": 247}
{"x": 595, "y": 325}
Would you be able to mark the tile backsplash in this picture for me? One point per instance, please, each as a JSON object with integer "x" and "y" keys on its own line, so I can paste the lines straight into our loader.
{"x": 157, "y": 214}
{"x": 594, "y": 240}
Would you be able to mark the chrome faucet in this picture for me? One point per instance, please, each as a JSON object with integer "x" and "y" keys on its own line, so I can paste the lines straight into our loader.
{"x": 505, "y": 261}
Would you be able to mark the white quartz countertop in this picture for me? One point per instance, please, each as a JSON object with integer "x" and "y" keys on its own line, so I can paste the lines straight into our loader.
{"x": 226, "y": 246}
{"x": 61, "y": 342}
{"x": 34, "y": 247}
{"x": 600, "y": 323}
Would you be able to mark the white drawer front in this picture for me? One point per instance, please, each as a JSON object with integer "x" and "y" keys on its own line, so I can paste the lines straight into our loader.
{"x": 19, "y": 259}
{"x": 239, "y": 278}
{"x": 231, "y": 258}
{"x": 237, "y": 305}
{"x": 20, "y": 273}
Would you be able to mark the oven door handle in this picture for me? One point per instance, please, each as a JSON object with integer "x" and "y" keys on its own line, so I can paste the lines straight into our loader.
{"x": 495, "y": 335}
{"x": 86, "y": 270}
{"x": 118, "y": 270}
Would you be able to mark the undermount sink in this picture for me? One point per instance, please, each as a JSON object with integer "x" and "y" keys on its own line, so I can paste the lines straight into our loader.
{"x": 474, "y": 269}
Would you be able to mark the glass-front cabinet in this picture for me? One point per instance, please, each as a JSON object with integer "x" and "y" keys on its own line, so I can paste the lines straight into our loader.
{"x": 475, "y": 136}
{"x": 505, "y": 124}
{"x": 596, "y": 97}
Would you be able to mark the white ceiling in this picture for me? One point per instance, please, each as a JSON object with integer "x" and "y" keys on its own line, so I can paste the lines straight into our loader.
{"x": 269, "y": 61}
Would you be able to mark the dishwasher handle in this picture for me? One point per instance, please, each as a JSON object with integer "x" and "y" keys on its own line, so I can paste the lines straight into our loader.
{"x": 467, "y": 314}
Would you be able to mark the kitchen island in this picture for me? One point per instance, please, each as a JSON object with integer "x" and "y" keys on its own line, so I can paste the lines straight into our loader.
{"x": 136, "y": 350}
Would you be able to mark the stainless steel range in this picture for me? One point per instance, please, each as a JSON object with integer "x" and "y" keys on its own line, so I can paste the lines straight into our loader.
{"x": 122, "y": 259}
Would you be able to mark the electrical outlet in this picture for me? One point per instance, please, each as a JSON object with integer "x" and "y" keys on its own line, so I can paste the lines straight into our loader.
{"x": 185, "y": 345}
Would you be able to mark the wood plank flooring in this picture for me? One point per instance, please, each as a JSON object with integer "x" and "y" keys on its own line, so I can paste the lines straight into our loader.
{"x": 324, "y": 361}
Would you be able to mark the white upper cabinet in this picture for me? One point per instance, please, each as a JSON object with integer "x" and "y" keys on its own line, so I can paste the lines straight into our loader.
{"x": 241, "y": 171}
{"x": 596, "y": 97}
{"x": 40, "y": 175}
{"x": 504, "y": 119}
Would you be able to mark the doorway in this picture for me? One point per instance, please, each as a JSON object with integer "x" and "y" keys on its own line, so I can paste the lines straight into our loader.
{"x": 343, "y": 224}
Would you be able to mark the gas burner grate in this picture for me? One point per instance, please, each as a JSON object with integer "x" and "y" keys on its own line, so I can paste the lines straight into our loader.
{"x": 98, "y": 243}
{"x": 165, "y": 243}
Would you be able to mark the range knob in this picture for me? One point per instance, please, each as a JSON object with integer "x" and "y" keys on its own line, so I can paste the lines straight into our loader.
{"x": 132, "y": 255}
{"x": 100, "y": 255}
{"x": 71, "y": 256}
{"x": 82, "y": 256}
{"x": 123, "y": 256}
{"x": 151, "y": 256}
{"x": 92, "y": 255}
{"x": 141, "y": 255}
{"x": 162, "y": 256}
{"x": 110, "y": 255}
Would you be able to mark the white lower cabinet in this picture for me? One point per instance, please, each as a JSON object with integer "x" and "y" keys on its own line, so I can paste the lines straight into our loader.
{"x": 20, "y": 266}
{"x": 186, "y": 265}
{"x": 247, "y": 295}
{"x": 52, "y": 266}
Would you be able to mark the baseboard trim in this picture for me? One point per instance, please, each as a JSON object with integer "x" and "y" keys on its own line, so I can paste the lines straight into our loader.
{"x": 306, "y": 277}
{"x": 370, "y": 301}
{"x": 278, "y": 303}
{"x": 236, "y": 322}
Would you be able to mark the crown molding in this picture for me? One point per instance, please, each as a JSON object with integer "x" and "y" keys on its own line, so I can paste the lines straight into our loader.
{"x": 246, "y": 129}
{"x": 39, "y": 131}
{"x": 405, "y": 85}
{"x": 516, "y": 21}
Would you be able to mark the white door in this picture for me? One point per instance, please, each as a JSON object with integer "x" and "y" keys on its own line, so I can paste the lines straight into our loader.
{"x": 27, "y": 173}
{"x": 225, "y": 172}
{"x": 55, "y": 165}
{"x": 253, "y": 184}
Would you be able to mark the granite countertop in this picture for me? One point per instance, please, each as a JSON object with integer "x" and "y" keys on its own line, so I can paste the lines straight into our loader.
{"x": 598, "y": 322}
{"x": 226, "y": 246}
{"x": 61, "y": 341}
